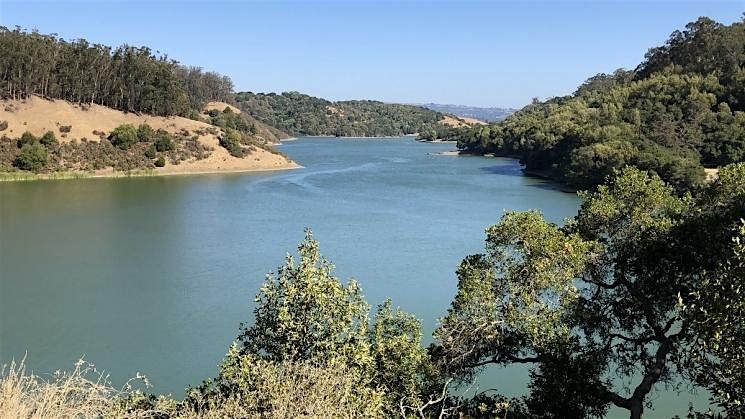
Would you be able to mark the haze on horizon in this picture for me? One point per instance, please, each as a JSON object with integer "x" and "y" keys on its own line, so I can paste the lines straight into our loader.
{"x": 492, "y": 54}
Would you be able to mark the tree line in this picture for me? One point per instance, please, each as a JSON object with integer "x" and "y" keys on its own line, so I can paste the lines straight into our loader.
{"x": 133, "y": 79}
{"x": 300, "y": 114}
{"x": 680, "y": 111}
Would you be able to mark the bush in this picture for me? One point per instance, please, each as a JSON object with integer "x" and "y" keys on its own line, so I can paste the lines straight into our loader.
{"x": 194, "y": 115}
{"x": 33, "y": 157}
{"x": 26, "y": 138}
{"x": 213, "y": 113}
{"x": 150, "y": 152}
{"x": 64, "y": 129}
{"x": 48, "y": 139}
{"x": 124, "y": 136}
{"x": 160, "y": 162}
{"x": 145, "y": 133}
{"x": 163, "y": 142}
{"x": 232, "y": 142}
{"x": 3, "y": 125}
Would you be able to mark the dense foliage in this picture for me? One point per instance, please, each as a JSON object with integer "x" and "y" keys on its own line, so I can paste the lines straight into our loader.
{"x": 305, "y": 317}
{"x": 642, "y": 288}
{"x": 681, "y": 110}
{"x": 300, "y": 114}
{"x": 126, "y": 78}
{"x": 32, "y": 157}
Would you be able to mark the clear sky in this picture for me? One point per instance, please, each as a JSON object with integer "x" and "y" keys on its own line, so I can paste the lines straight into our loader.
{"x": 495, "y": 53}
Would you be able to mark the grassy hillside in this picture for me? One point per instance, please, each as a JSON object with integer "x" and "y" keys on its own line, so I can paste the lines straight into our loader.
{"x": 72, "y": 106}
{"x": 49, "y": 136}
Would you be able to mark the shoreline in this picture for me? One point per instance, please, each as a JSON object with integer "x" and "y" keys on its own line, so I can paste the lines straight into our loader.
{"x": 407, "y": 136}
{"x": 71, "y": 175}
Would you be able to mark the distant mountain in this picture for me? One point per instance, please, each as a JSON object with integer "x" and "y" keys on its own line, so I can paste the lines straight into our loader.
{"x": 482, "y": 114}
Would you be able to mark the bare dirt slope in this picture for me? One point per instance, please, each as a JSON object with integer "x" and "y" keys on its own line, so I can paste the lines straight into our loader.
{"x": 38, "y": 116}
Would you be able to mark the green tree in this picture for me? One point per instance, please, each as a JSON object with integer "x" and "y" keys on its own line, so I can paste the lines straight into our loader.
{"x": 145, "y": 133}
{"x": 48, "y": 139}
{"x": 231, "y": 140}
{"x": 306, "y": 313}
{"x": 26, "y": 139}
{"x": 601, "y": 293}
{"x": 163, "y": 141}
{"x": 403, "y": 369}
{"x": 124, "y": 136}
{"x": 33, "y": 157}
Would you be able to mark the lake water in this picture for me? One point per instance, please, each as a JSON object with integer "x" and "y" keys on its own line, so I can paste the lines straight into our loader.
{"x": 154, "y": 275}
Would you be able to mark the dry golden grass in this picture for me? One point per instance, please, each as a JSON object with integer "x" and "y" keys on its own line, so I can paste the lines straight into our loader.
{"x": 457, "y": 122}
{"x": 37, "y": 115}
{"x": 220, "y": 106}
{"x": 82, "y": 393}
{"x": 287, "y": 390}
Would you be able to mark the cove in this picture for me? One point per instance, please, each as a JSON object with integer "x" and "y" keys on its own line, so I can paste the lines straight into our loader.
{"x": 154, "y": 275}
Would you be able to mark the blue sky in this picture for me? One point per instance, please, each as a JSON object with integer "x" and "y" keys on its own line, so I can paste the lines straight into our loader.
{"x": 495, "y": 53}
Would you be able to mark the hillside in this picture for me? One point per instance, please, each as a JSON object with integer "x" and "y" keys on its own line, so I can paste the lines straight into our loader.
{"x": 680, "y": 111}
{"x": 472, "y": 112}
{"x": 263, "y": 131}
{"x": 82, "y": 141}
{"x": 82, "y": 107}
{"x": 300, "y": 114}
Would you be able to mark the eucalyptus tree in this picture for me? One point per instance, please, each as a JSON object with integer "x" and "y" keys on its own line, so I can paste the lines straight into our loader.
{"x": 126, "y": 78}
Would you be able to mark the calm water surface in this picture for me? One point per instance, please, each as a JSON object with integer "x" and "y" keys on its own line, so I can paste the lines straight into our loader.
{"x": 154, "y": 275}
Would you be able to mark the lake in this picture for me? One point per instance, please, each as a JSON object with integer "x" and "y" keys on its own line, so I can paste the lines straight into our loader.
{"x": 155, "y": 275}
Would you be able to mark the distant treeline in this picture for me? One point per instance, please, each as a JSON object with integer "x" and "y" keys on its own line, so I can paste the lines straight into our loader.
{"x": 125, "y": 78}
{"x": 679, "y": 111}
{"x": 300, "y": 114}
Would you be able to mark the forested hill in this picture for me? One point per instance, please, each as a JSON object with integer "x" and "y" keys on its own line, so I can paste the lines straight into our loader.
{"x": 475, "y": 112}
{"x": 126, "y": 78}
{"x": 681, "y": 110}
{"x": 300, "y": 114}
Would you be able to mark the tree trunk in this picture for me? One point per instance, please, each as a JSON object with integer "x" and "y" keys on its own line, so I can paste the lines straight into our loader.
{"x": 636, "y": 409}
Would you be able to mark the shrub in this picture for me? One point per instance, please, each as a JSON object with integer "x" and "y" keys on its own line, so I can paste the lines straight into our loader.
{"x": 145, "y": 133}
{"x": 160, "y": 162}
{"x": 213, "y": 113}
{"x": 150, "y": 152}
{"x": 26, "y": 138}
{"x": 163, "y": 141}
{"x": 124, "y": 136}
{"x": 33, "y": 157}
{"x": 232, "y": 142}
{"x": 65, "y": 128}
{"x": 194, "y": 115}
{"x": 3, "y": 125}
{"x": 48, "y": 139}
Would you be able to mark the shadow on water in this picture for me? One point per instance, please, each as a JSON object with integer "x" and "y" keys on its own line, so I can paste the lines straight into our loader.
{"x": 513, "y": 169}
{"x": 509, "y": 169}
